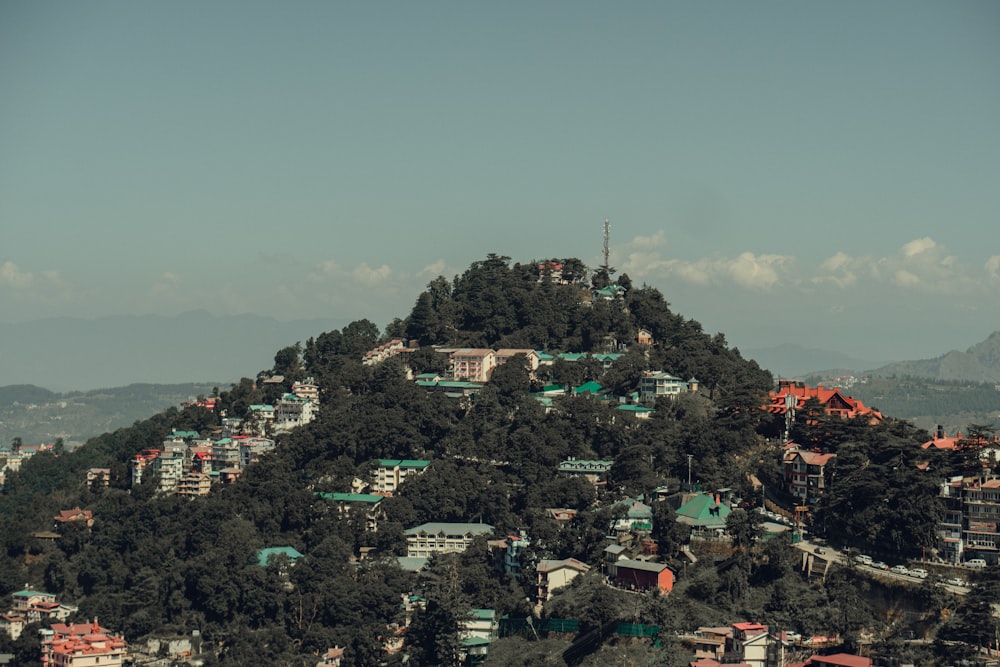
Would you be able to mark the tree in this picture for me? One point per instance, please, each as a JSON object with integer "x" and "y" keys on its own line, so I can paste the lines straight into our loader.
{"x": 744, "y": 528}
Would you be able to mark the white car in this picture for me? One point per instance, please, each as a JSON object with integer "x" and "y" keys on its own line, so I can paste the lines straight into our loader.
{"x": 879, "y": 565}
{"x": 918, "y": 572}
{"x": 899, "y": 569}
{"x": 955, "y": 581}
{"x": 975, "y": 563}
{"x": 863, "y": 559}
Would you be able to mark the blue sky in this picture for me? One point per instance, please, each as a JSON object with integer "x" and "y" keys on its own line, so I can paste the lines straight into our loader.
{"x": 821, "y": 173}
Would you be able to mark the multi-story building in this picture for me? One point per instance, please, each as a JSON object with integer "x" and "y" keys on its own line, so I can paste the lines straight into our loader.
{"x": 390, "y": 473}
{"x": 472, "y": 364}
{"x": 99, "y": 477}
{"x": 805, "y": 473}
{"x": 553, "y": 574}
{"x": 431, "y": 538}
{"x": 142, "y": 461}
{"x": 251, "y": 449}
{"x": 292, "y": 411}
{"x": 82, "y": 646}
{"x": 358, "y": 507}
{"x": 656, "y": 384}
{"x": 970, "y": 527}
{"x": 169, "y": 466}
{"x": 306, "y": 389}
{"x": 194, "y": 484}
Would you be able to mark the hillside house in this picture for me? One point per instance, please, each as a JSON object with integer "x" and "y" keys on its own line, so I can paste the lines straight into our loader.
{"x": 792, "y": 396}
{"x": 472, "y": 364}
{"x": 442, "y": 537}
{"x": 100, "y": 477}
{"x": 391, "y": 473}
{"x": 75, "y": 515}
{"x": 805, "y": 473}
{"x": 82, "y": 646}
{"x": 554, "y": 574}
{"x": 640, "y": 575}
{"x": 657, "y": 384}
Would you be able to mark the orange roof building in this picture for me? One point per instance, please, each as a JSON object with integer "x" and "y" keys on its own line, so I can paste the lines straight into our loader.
{"x": 83, "y": 646}
{"x": 834, "y": 402}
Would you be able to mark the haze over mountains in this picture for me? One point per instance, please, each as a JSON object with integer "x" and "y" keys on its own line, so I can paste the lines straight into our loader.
{"x": 979, "y": 363}
{"x": 67, "y": 354}
{"x": 75, "y": 354}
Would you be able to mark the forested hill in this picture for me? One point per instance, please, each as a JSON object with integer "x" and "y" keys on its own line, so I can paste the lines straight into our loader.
{"x": 159, "y": 565}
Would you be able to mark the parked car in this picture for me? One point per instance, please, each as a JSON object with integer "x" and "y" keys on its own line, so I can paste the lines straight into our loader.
{"x": 879, "y": 565}
{"x": 955, "y": 581}
{"x": 918, "y": 572}
{"x": 899, "y": 569}
{"x": 863, "y": 559}
{"x": 975, "y": 563}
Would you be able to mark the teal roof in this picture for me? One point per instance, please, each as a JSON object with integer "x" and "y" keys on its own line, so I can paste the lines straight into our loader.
{"x": 185, "y": 434}
{"x": 588, "y": 388}
{"x": 403, "y": 463}
{"x": 635, "y": 408}
{"x": 475, "y": 641}
{"x": 544, "y": 356}
{"x": 264, "y": 555}
{"x": 262, "y": 408}
{"x": 449, "y": 528}
{"x": 351, "y": 497}
{"x": 412, "y": 563}
{"x": 610, "y": 356}
{"x": 484, "y": 614}
{"x": 29, "y": 592}
{"x": 697, "y": 512}
{"x": 572, "y": 356}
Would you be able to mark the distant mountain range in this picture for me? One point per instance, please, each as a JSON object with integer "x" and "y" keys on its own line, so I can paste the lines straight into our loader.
{"x": 75, "y": 354}
{"x": 791, "y": 360}
{"x": 979, "y": 363}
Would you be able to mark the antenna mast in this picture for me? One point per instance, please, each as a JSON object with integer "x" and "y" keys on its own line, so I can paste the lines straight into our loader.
{"x": 607, "y": 242}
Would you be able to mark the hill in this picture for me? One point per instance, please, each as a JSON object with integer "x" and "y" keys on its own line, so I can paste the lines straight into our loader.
{"x": 38, "y": 415}
{"x": 979, "y": 363}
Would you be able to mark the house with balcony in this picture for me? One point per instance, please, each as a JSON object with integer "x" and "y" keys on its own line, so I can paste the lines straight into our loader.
{"x": 593, "y": 470}
{"x": 389, "y": 474}
{"x": 100, "y": 477}
{"x": 660, "y": 384}
{"x": 307, "y": 389}
{"x": 554, "y": 574}
{"x": 472, "y": 364}
{"x": 194, "y": 484}
{"x": 502, "y": 356}
{"x": 805, "y": 473}
{"x": 442, "y": 537}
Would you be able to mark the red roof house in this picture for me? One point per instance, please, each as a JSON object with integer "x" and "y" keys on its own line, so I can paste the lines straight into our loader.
{"x": 833, "y": 401}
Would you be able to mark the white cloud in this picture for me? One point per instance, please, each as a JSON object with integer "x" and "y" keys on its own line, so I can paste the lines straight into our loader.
{"x": 436, "y": 269}
{"x": 918, "y": 246}
{"x": 757, "y": 271}
{"x": 993, "y": 267}
{"x": 904, "y": 278}
{"x": 12, "y": 275}
{"x": 370, "y": 277}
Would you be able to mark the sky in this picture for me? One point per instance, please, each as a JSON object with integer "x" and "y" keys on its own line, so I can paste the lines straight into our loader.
{"x": 825, "y": 174}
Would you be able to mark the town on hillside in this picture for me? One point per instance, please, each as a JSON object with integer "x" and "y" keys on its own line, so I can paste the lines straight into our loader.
{"x": 594, "y": 481}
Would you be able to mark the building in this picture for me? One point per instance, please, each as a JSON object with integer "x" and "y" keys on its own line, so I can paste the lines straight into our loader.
{"x": 750, "y": 643}
{"x": 75, "y": 515}
{"x": 971, "y": 524}
{"x": 791, "y": 396}
{"x": 431, "y": 538}
{"x": 194, "y": 484}
{"x": 83, "y": 646}
{"x": 264, "y": 556}
{"x": 805, "y": 473}
{"x": 472, "y": 364}
{"x": 390, "y": 473}
{"x": 593, "y": 470}
{"x": 99, "y": 477}
{"x": 657, "y": 384}
{"x": 554, "y": 574}
{"x": 504, "y": 355}
{"x": 292, "y": 411}
{"x": 358, "y": 507}
{"x": 642, "y": 575}
{"x": 705, "y": 513}
{"x": 306, "y": 389}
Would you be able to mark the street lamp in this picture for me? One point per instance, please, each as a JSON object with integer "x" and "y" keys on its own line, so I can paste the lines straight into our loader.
{"x": 690, "y": 456}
